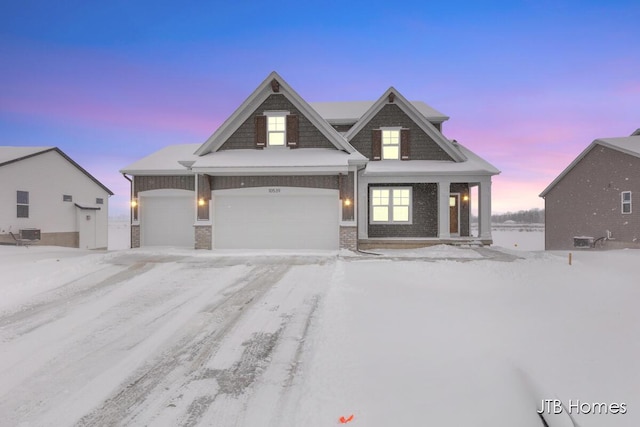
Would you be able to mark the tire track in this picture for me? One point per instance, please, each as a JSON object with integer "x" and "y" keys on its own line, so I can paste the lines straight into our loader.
{"x": 188, "y": 357}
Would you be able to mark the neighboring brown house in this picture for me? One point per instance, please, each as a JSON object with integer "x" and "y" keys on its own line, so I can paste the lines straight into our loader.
{"x": 282, "y": 173}
{"x": 593, "y": 198}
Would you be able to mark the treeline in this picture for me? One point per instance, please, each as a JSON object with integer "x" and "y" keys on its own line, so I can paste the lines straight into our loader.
{"x": 531, "y": 216}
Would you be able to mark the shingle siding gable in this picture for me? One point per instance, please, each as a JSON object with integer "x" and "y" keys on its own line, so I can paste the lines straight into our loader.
{"x": 586, "y": 201}
{"x": 244, "y": 136}
{"x": 423, "y": 147}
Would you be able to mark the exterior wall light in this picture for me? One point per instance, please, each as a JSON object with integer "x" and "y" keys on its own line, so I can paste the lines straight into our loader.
{"x": 201, "y": 202}
{"x": 134, "y": 203}
{"x": 347, "y": 202}
{"x": 465, "y": 198}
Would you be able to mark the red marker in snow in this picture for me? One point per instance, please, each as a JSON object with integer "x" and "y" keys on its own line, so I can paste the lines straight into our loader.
{"x": 344, "y": 420}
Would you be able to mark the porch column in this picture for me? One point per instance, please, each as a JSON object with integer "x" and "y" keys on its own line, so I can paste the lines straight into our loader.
{"x": 484, "y": 209}
{"x": 444, "y": 230}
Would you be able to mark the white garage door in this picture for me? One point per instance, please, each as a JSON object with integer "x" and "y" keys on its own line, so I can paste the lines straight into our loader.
{"x": 276, "y": 218}
{"x": 167, "y": 217}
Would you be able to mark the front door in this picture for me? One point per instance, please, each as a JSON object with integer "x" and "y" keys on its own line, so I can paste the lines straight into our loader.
{"x": 454, "y": 214}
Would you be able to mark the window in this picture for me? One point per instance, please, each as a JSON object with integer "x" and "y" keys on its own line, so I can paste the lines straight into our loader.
{"x": 67, "y": 198}
{"x": 391, "y": 144}
{"x": 22, "y": 198}
{"x": 99, "y": 201}
{"x": 626, "y": 202}
{"x": 390, "y": 205}
{"x": 276, "y": 130}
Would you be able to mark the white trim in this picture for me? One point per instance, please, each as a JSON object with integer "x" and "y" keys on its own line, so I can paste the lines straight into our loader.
{"x": 458, "y": 196}
{"x": 623, "y": 202}
{"x": 390, "y": 206}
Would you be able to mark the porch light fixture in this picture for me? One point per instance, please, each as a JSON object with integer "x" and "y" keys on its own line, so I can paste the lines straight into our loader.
{"x": 134, "y": 203}
{"x": 347, "y": 202}
{"x": 465, "y": 198}
{"x": 201, "y": 201}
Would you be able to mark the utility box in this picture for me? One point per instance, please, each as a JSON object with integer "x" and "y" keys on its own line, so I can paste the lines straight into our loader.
{"x": 584, "y": 242}
{"x": 30, "y": 233}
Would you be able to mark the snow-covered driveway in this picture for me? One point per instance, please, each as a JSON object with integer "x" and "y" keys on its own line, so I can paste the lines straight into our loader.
{"x": 443, "y": 337}
{"x": 150, "y": 339}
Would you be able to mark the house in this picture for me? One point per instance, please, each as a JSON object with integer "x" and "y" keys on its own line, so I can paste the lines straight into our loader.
{"x": 284, "y": 173}
{"x": 593, "y": 197}
{"x": 45, "y": 195}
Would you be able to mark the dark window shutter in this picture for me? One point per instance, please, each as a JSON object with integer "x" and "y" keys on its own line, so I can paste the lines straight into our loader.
{"x": 405, "y": 145}
{"x": 261, "y": 131}
{"x": 376, "y": 144}
{"x": 292, "y": 131}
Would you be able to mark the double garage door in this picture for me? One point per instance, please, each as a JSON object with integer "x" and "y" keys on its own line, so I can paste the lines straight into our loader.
{"x": 276, "y": 218}
{"x": 248, "y": 218}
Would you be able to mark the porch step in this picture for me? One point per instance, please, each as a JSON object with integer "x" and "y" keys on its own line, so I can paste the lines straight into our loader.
{"x": 419, "y": 243}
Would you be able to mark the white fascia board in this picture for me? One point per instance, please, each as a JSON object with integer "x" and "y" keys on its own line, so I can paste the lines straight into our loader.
{"x": 414, "y": 114}
{"x": 141, "y": 172}
{"x": 306, "y": 170}
{"x": 405, "y": 179}
{"x": 568, "y": 169}
{"x": 215, "y": 141}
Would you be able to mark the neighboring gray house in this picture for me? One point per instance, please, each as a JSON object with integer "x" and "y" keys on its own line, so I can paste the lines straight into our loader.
{"x": 282, "y": 173}
{"x": 593, "y": 197}
{"x": 45, "y": 195}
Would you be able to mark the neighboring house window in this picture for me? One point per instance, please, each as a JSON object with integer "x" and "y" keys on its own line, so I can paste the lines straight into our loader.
{"x": 390, "y": 144}
{"x": 99, "y": 201}
{"x": 626, "y": 202}
{"x": 67, "y": 198}
{"x": 276, "y": 133}
{"x": 22, "y": 198}
{"x": 390, "y": 205}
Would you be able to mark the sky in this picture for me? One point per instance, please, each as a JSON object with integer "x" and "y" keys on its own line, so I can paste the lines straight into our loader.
{"x": 527, "y": 84}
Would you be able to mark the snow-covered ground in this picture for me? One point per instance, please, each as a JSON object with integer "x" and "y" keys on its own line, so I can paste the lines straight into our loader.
{"x": 441, "y": 336}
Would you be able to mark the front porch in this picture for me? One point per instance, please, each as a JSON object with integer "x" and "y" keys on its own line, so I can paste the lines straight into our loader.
{"x": 413, "y": 243}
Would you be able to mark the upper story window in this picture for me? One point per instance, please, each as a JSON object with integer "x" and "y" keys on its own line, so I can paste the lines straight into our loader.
{"x": 390, "y": 144}
{"x": 67, "y": 198}
{"x": 276, "y": 129}
{"x": 22, "y": 199}
{"x": 99, "y": 201}
{"x": 626, "y": 202}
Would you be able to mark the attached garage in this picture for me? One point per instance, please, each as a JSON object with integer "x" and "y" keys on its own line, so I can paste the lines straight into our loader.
{"x": 276, "y": 218}
{"x": 167, "y": 217}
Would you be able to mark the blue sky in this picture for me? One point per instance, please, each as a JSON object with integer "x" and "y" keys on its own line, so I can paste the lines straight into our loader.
{"x": 528, "y": 85}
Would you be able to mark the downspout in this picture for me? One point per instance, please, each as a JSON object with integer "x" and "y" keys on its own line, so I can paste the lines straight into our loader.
{"x": 130, "y": 197}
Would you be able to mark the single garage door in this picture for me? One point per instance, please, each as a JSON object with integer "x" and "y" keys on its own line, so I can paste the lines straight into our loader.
{"x": 167, "y": 217}
{"x": 276, "y": 218}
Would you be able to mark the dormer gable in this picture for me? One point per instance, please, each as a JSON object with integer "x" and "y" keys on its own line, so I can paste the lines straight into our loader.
{"x": 274, "y": 116}
{"x": 398, "y": 121}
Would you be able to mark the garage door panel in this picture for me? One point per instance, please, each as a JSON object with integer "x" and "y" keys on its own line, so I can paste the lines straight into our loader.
{"x": 281, "y": 221}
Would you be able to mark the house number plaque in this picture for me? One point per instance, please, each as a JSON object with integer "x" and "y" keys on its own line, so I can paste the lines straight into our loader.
{"x": 274, "y": 190}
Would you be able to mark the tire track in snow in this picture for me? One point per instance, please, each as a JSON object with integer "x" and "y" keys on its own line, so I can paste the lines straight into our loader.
{"x": 187, "y": 359}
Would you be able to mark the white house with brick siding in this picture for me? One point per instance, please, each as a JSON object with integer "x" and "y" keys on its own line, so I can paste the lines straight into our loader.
{"x": 47, "y": 197}
{"x": 282, "y": 173}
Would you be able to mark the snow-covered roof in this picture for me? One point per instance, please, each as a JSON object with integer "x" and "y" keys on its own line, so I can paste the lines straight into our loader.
{"x": 628, "y": 145}
{"x": 349, "y": 112}
{"x": 10, "y": 154}
{"x": 636, "y": 132}
{"x": 474, "y": 165}
{"x": 277, "y": 160}
{"x": 164, "y": 161}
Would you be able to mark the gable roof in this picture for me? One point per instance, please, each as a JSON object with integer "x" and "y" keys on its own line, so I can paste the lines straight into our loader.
{"x": 262, "y": 92}
{"x": 10, "y": 155}
{"x": 628, "y": 145}
{"x": 636, "y": 133}
{"x": 349, "y": 112}
{"x": 413, "y": 113}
